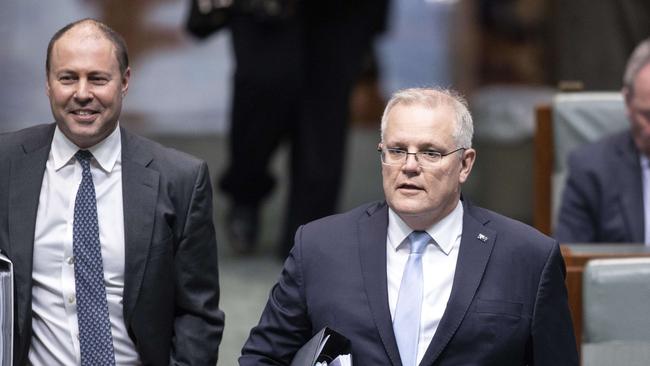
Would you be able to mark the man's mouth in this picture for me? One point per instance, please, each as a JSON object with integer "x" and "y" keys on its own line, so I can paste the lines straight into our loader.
{"x": 84, "y": 115}
{"x": 83, "y": 112}
{"x": 409, "y": 187}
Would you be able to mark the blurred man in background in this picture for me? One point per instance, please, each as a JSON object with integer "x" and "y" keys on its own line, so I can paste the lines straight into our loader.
{"x": 607, "y": 194}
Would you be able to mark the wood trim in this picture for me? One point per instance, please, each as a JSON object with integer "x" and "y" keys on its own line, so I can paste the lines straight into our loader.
{"x": 543, "y": 168}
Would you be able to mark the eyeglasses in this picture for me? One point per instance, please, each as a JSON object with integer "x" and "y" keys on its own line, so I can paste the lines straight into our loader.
{"x": 427, "y": 159}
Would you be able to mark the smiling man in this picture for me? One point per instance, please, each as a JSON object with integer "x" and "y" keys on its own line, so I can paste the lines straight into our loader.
{"x": 111, "y": 234}
{"x": 425, "y": 278}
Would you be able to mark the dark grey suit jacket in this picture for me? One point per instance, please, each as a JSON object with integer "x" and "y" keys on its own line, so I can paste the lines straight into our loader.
{"x": 603, "y": 196}
{"x": 171, "y": 289}
{"x": 508, "y": 304}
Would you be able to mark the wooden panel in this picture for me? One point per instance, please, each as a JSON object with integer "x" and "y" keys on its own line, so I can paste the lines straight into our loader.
{"x": 543, "y": 169}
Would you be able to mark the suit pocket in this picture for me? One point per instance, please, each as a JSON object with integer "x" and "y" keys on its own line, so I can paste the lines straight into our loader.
{"x": 498, "y": 324}
{"x": 498, "y": 307}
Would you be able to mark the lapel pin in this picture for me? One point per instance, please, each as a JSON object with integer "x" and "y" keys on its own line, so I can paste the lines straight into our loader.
{"x": 482, "y": 238}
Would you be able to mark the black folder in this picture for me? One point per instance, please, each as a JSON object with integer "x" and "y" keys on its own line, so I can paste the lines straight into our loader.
{"x": 335, "y": 345}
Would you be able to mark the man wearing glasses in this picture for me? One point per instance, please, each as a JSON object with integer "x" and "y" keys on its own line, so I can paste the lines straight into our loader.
{"x": 425, "y": 277}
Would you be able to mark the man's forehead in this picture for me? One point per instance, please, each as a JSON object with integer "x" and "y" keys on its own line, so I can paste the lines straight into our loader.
{"x": 442, "y": 107}
{"x": 85, "y": 39}
{"x": 85, "y": 32}
{"x": 437, "y": 132}
{"x": 408, "y": 114}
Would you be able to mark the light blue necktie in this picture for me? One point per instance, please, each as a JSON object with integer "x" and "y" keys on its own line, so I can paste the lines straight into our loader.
{"x": 95, "y": 338}
{"x": 406, "y": 323}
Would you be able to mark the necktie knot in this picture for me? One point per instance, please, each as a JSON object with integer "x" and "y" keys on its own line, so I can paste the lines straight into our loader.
{"x": 419, "y": 241}
{"x": 84, "y": 157}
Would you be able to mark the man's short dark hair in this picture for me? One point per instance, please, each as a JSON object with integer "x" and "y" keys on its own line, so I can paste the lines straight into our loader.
{"x": 115, "y": 38}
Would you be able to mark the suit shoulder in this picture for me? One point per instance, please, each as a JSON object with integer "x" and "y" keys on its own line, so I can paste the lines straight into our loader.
{"x": 594, "y": 162}
{"x": 348, "y": 217}
{"x": 341, "y": 224}
{"x": 515, "y": 232}
{"x": 596, "y": 151}
{"x": 334, "y": 240}
{"x": 165, "y": 157}
{"x": 10, "y": 140}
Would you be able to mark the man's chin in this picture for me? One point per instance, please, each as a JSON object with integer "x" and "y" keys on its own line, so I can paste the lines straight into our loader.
{"x": 409, "y": 210}
{"x": 83, "y": 136}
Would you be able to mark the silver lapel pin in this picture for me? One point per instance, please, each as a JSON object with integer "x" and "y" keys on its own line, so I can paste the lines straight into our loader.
{"x": 482, "y": 238}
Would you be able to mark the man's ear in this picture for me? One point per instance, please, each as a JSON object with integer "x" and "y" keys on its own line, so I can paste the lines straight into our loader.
{"x": 627, "y": 99}
{"x": 467, "y": 162}
{"x": 627, "y": 93}
{"x": 126, "y": 77}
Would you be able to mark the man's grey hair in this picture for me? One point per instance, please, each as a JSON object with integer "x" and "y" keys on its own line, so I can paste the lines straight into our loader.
{"x": 434, "y": 98}
{"x": 639, "y": 59}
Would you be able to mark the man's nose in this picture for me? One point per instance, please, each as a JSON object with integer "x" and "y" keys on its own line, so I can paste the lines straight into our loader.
{"x": 411, "y": 163}
{"x": 83, "y": 92}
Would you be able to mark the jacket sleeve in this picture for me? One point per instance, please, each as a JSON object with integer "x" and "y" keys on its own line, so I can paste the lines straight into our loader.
{"x": 198, "y": 322}
{"x": 284, "y": 325}
{"x": 553, "y": 340}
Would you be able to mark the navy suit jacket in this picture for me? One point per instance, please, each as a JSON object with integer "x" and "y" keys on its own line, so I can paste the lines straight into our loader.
{"x": 171, "y": 286}
{"x": 603, "y": 196}
{"x": 508, "y": 304}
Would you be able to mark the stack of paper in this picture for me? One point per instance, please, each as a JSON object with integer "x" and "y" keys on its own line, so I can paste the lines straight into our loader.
{"x": 6, "y": 311}
{"x": 325, "y": 348}
{"x": 342, "y": 360}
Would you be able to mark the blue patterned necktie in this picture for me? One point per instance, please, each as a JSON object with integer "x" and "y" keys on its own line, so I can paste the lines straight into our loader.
{"x": 95, "y": 338}
{"x": 406, "y": 323}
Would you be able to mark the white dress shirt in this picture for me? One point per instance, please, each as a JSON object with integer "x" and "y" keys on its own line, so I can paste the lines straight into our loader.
{"x": 645, "y": 174}
{"x": 54, "y": 313}
{"x": 438, "y": 268}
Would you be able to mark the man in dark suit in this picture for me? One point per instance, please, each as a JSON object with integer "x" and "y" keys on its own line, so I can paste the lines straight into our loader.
{"x": 606, "y": 197}
{"x": 425, "y": 278}
{"x": 111, "y": 234}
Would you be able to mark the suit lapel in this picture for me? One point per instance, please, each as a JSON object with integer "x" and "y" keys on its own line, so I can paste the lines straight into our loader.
{"x": 139, "y": 193}
{"x": 26, "y": 174}
{"x": 472, "y": 260}
{"x": 631, "y": 189}
{"x": 372, "y": 252}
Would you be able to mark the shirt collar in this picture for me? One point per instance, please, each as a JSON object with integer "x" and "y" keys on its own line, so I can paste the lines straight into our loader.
{"x": 643, "y": 159}
{"x": 444, "y": 232}
{"x": 106, "y": 152}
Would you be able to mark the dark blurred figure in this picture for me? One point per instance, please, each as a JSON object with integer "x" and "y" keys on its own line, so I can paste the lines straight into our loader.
{"x": 592, "y": 39}
{"x": 295, "y": 71}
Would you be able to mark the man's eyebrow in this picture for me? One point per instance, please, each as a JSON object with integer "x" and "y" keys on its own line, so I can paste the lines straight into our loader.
{"x": 429, "y": 146}
{"x": 425, "y": 146}
{"x": 64, "y": 71}
{"x": 99, "y": 73}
